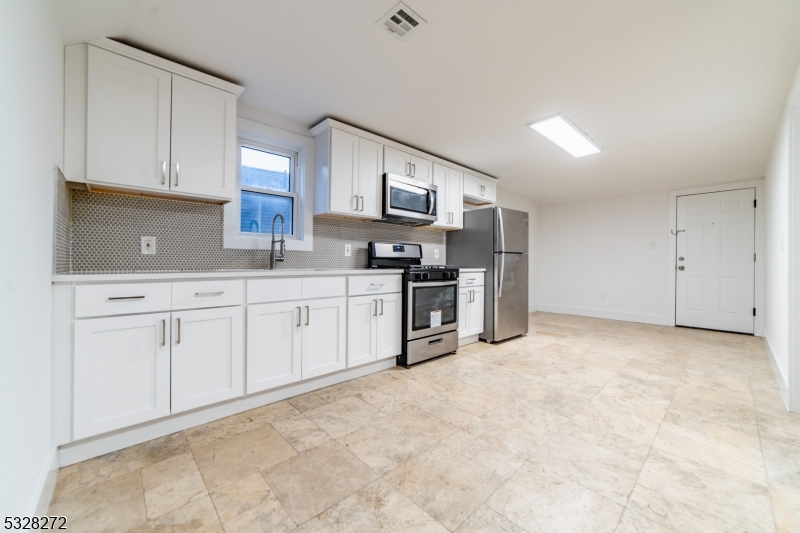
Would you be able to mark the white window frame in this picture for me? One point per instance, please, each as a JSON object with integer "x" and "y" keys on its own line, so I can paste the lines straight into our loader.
{"x": 264, "y": 137}
{"x": 243, "y": 143}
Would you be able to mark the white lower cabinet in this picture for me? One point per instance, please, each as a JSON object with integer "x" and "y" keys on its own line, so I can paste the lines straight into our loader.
{"x": 324, "y": 336}
{"x": 374, "y": 327}
{"x": 207, "y": 357}
{"x": 273, "y": 345}
{"x": 470, "y": 311}
{"x": 121, "y": 372}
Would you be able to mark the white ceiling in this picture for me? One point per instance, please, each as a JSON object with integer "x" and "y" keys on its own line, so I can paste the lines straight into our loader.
{"x": 677, "y": 93}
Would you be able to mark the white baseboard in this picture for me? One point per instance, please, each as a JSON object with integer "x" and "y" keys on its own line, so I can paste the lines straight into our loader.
{"x": 45, "y": 485}
{"x": 644, "y": 318}
{"x": 532, "y": 308}
{"x": 472, "y": 339}
{"x": 782, "y": 385}
{"x": 76, "y": 452}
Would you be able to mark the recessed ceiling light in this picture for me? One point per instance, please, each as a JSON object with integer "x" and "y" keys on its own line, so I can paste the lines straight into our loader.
{"x": 567, "y": 135}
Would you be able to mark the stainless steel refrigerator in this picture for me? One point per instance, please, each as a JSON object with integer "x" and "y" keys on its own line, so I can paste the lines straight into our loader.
{"x": 496, "y": 239}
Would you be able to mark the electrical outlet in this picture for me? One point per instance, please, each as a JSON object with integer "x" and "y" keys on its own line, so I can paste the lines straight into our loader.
{"x": 148, "y": 245}
{"x": 436, "y": 253}
{"x": 347, "y": 250}
{"x": 603, "y": 296}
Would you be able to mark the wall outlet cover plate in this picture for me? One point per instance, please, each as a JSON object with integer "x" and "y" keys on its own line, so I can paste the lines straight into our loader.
{"x": 148, "y": 245}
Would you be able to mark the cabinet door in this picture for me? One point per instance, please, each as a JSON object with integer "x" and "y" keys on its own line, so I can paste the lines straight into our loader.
{"x": 440, "y": 180}
{"x": 324, "y": 333}
{"x": 370, "y": 174}
{"x": 475, "y": 313}
{"x": 463, "y": 307}
{"x": 274, "y": 337}
{"x": 421, "y": 169}
{"x": 472, "y": 186}
{"x": 390, "y": 325}
{"x": 396, "y": 161}
{"x": 344, "y": 172}
{"x": 361, "y": 330}
{"x": 121, "y": 373}
{"x": 207, "y": 357}
{"x": 489, "y": 191}
{"x": 128, "y": 110}
{"x": 203, "y": 140}
{"x": 455, "y": 198}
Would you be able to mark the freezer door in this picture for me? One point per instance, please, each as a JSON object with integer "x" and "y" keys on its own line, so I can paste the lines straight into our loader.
{"x": 510, "y": 295}
{"x": 510, "y": 231}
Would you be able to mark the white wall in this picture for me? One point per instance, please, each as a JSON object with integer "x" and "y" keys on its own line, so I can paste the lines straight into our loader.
{"x": 776, "y": 184}
{"x": 31, "y": 94}
{"x": 594, "y": 247}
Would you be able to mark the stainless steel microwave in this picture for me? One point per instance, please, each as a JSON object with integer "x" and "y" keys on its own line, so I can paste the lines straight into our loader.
{"x": 408, "y": 201}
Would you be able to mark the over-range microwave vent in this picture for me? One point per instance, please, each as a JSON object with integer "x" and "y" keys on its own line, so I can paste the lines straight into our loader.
{"x": 401, "y": 20}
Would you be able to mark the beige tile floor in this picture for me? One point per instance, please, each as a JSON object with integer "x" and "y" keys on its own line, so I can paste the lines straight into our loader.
{"x": 585, "y": 425}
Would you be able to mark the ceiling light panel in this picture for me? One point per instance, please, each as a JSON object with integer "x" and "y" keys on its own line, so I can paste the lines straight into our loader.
{"x": 567, "y": 135}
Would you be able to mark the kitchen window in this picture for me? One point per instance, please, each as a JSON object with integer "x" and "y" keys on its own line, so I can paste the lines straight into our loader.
{"x": 266, "y": 185}
{"x": 275, "y": 174}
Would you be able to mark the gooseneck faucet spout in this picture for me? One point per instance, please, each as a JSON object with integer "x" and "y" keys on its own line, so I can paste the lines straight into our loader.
{"x": 281, "y": 255}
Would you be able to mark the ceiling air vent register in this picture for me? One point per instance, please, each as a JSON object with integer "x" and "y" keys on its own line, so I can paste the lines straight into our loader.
{"x": 401, "y": 20}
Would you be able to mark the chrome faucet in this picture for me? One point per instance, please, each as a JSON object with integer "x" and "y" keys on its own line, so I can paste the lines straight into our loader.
{"x": 280, "y": 256}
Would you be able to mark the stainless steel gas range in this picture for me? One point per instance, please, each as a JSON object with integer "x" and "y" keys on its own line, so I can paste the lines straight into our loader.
{"x": 430, "y": 301}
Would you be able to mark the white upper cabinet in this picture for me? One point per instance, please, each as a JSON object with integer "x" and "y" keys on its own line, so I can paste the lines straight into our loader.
{"x": 404, "y": 164}
{"x": 203, "y": 155}
{"x": 207, "y": 357}
{"x": 128, "y": 122}
{"x": 449, "y": 197}
{"x": 479, "y": 190}
{"x": 349, "y": 181}
{"x": 136, "y": 122}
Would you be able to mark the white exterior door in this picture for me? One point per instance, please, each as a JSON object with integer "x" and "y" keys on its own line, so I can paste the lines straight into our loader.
{"x": 324, "y": 336}
{"x": 396, "y": 161}
{"x": 203, "y": 140}
{"x": 475, "y": 313}
{"x": 370, "y": 174}
{"x": 128, "y": 122}
{"x": 122, "y": 372}
{"x": 715, "y": 274}
{"x": 362, "y": 328}
{"x": 207, "y": 357}
{"x": 274, "y": 338}
{"x": 389, "y": 325}
{"x": 344, "y": 172}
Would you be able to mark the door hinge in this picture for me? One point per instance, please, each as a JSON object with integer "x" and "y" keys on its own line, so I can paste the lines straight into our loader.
{"x": 754, "y": 311}
{"x": 754, "y": 258}
{"x": 754, "y": 203}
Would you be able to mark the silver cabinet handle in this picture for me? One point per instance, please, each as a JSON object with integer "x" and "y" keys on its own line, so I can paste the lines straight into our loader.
{"x": 299, "y": 313}
{"x": 206, "y": 294}
{"x": 381, "y": 306}
{"x": 177, "y": 172}
{"x": 375, "y": 308}
{"x": 413, "y": 169}
{"x": 408, "y": 168}
{"x": 178, "y": 339}
{"x": 308, "y": 315}
{"x": 361, "y": 203}
{"x": 355, "y": 207}
{"x": 163, "y": 172}
{"x": 116, "y": 298}
{"x": 163, "y": 332}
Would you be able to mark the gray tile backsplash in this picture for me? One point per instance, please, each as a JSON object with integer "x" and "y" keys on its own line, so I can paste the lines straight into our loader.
{"x": 106, "y": 230}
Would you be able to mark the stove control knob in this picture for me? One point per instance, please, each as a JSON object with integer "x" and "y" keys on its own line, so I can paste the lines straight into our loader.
{"x": 425, "y": 275}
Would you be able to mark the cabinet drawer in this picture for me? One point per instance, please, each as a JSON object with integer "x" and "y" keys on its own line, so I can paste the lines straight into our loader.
{"x": 199, "y": 294}
{"x": 122, "y": 299}
{"x": 470, "y": 279}
{"x": 384, "y": 284}
{"x": 326, "y": 287}
{"x": 273, "y": 290}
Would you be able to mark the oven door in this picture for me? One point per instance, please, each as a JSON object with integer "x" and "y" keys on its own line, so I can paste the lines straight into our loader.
{"x": 432, "y": 308}
{"x": 409, "y": 200}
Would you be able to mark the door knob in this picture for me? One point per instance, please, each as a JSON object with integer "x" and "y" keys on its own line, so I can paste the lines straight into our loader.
{"x": 680, "y": 259}
{"x": 681, "y": 267}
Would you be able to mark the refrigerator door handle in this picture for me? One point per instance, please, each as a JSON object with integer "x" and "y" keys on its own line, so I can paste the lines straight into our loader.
{"x": 502, "y": 231}
{"x": 502, "y": 274}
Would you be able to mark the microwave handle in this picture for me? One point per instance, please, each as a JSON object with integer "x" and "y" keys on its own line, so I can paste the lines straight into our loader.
{"x": 432, "y": 201}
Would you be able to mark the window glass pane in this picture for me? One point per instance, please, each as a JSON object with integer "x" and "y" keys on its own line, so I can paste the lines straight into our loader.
{"x": 259, "y": 209}
{"x": 266, "y": 170}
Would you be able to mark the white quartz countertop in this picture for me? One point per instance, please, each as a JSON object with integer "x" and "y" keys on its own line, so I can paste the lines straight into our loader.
{"x": 217, "y": 274}
{"x": 472, "y": 270}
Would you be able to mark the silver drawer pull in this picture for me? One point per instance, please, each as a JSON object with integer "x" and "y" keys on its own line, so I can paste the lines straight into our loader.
{"x": 376, "y": 285}
{"x": 207, "y": 294}
{"x": 115, "y": 298}
{"x": 179, "y": 331}
{"x": 471, "y": 280}
{"x": 163, "y": 332}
